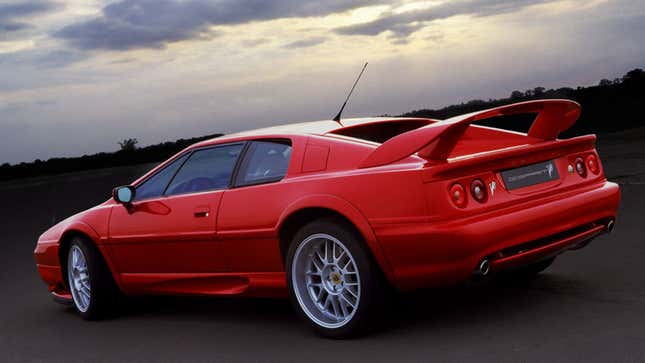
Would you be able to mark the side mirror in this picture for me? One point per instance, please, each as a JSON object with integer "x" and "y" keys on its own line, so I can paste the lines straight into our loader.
{"x": 124, "y": 195}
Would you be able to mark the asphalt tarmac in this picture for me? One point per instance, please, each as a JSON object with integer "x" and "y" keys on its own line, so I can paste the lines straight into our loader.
{"x": 589, "y": 306}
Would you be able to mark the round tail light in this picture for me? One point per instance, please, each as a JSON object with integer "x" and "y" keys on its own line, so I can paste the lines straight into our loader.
{"x": 458, "y": 195}
{"x": 592, "y": 163}
{"x": 581, "y": 169}
{"x": 478, "y": 190}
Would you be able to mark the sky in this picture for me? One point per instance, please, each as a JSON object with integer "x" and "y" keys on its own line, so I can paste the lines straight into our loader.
{"x": 78, "y": 76}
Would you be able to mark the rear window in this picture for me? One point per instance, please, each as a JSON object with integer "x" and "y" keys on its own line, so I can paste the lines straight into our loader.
{"x": 382, "y": 131}
{"x": 265, "y": 162}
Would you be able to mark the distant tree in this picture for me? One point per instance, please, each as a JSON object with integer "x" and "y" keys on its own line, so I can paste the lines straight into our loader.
{"x": 5, "y": 165}
{"x": 516, "y": 95}
{"x": 538, "y": 91}
{"x": 128, "y": 144}
{"x": 605, "y": 82}
{"x": 634, "y": 73}
{"x": 528, "y": 93}
{"x": 634, "y": 76}
{"x": 475, "y": 102}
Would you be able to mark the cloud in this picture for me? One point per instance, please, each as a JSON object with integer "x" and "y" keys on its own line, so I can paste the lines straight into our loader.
{"x": 43, "y": 58}
{"x": 401, "y": 25}
{"x": 132, "y": 24}
{"x": 10, "y": 12}
{"x": 305, "y": 43}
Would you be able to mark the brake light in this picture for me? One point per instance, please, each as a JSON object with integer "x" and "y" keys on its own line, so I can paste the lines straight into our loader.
{"x": 478, "y": 190}
{"x": 458, "y": 195}
{"x": 581, "y": 169}
{"x": 592, "y": 163}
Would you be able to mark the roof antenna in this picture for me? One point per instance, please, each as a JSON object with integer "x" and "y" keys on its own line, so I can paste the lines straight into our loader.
{"x": 337, "y": 118}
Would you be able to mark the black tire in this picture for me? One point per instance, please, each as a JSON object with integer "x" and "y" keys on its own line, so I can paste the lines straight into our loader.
{"x": 103, "y": 295}
{"x": 528, "y": 272}
{"x": 373, "y": 285}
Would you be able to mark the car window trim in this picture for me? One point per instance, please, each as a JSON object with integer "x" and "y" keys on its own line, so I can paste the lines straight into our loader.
{"x": 238, "y": 164}
{"x": 238, "y": 183}
{"x": 207, "y": 147}
{"x": 190, "y": 154}
{"x": 168, "y": 164}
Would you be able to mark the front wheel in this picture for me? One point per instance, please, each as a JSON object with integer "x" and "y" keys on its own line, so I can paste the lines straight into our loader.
{"x": 333, "y": 282}
{"x": 89, "y": 280}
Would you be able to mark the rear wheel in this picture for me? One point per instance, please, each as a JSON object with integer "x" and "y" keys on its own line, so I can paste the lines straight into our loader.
{"x": 89, "y": 280}
{"x": 333, "y": 283}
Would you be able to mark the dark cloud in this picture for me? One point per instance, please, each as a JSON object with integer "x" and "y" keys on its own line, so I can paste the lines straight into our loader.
{"x": 9, "y": 12}
{"x": 305, "y": 43}
{"x": 130, "y": 24}
{"x": 401, "y": 25}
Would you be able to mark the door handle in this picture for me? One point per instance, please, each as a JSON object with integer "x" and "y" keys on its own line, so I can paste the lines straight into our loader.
{"x": 202, "y": 212}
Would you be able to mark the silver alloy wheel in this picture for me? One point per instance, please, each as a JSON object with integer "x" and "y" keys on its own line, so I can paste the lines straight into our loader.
{"x": 326, "y": 280}
{"x": 78, "y": 278}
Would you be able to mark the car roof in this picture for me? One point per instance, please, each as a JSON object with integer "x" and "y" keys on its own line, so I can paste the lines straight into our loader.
{"x": 307, "y": 128}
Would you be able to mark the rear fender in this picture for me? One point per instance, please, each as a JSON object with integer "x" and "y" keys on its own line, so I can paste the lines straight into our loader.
{"x": 350, "y": 212}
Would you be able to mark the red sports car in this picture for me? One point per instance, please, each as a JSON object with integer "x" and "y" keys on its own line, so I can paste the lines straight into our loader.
{"x": 334, "y": 214}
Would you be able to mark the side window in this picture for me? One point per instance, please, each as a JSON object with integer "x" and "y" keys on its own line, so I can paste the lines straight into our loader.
{"x": 155, "y": 185}
{"x": 207, "y": 169}
{"x": 264, "y": 162}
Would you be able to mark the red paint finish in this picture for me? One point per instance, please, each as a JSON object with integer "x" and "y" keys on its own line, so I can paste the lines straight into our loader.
{"x": 181, "y": 230}
{"x": 399, "y": 195}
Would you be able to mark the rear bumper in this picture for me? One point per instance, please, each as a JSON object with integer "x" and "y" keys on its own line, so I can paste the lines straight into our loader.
{"x": 428, "y": 254}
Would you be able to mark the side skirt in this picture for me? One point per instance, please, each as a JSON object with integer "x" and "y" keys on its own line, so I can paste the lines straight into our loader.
{"x": 252, "y": 284}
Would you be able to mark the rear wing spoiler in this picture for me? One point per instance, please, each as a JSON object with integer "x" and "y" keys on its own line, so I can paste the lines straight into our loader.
{"x": 435, "y": 142}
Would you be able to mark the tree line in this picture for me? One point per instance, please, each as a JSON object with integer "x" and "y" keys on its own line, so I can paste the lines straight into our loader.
{"x": 612, "y": 105}
{"x": 129, "y": 154}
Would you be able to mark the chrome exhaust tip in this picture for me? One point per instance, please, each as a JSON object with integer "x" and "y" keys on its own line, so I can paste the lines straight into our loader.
{"x": 483, "y": 268}
{"x": 610, "y": 226}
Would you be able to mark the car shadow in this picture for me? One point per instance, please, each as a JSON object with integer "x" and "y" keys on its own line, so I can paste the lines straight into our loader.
{"x": 467, "y": 305}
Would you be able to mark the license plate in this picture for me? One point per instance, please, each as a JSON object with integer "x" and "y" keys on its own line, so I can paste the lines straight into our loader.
{"x": 530, "y": 175}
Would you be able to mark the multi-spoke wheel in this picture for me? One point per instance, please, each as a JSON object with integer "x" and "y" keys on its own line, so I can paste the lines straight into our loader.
{"x": 332, "y": 280}
{"x": 79, "y": 278}
{"x": 89, "y": 280}
{"x": 326, "y": 280}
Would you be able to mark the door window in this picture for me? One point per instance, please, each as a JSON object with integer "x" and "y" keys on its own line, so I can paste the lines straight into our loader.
{"x": 206, "y": 169}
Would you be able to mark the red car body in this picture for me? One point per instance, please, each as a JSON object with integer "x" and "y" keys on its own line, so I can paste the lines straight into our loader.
{"x": 399, "y": 194}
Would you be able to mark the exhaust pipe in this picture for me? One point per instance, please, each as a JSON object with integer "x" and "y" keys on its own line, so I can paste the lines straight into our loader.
{"x": 483, "y": 268}
{"x": 610, "y": 226}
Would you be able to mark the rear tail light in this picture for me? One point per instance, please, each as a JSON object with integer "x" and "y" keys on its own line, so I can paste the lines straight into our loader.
{"x": 592, "y": 163}
{"x": 580, "y": 167}
{"x": 458, "y": 195}
{"x": 478, "y": 190}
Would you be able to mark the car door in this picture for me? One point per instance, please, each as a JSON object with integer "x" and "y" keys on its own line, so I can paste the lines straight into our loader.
{"x": 171, "y": 225}
{"x": 251, "y": 208}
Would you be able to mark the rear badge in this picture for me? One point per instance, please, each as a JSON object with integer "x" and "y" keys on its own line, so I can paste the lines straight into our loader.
{"x": 530, "y": 175}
